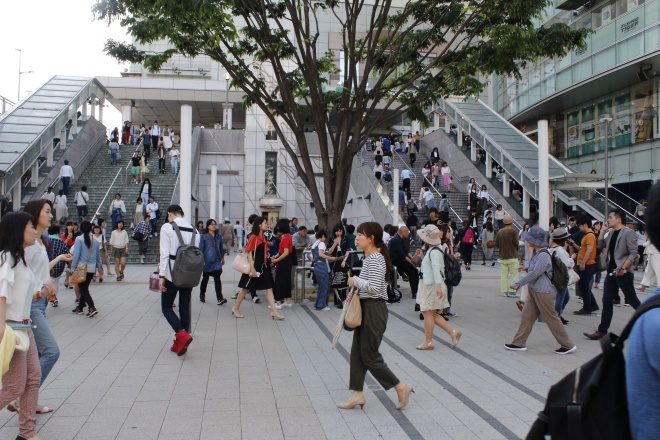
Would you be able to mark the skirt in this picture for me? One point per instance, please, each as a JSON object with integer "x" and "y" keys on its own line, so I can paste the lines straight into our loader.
{"x": 446, "y": 179}
{"x": 263, "y": 282}
{"x": 428, "y": 298}
{"x": 61, "y": 211}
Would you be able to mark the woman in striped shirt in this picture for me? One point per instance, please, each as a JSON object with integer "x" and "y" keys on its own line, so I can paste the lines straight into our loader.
{"x": 372, "y": 284}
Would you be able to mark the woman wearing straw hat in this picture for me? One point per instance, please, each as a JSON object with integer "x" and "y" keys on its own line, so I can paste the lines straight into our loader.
{"x": 433, "y": 294}
{"x": 542, "y": 295}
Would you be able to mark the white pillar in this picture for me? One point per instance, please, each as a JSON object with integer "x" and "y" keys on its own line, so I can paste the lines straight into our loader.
{"x": 436, "y": 120}
{"x": 126, "y": 111}
{"x": 459, "y": 135}
{"x": 473, "y": 151}
{"x": 214, "y": 193}
{"x": 220, "y": 200}
{"x": 16, "y": 196}
{"x": 395, "y": 196}
{"x": 185, "y": 163}
{"x": 415, "y": 126}
{"x": 63, "y": 139}
{"x": 74, "y": 127}
{"x": 101, "y": 104}
{"x": 526, "y": 201}
{"x": 49, "y": 154}
{"x": 93, "y": 108}
{"x": 228, "y": 115}
{"x": 544, "y": 174}
{"x": 489, "y": 166}
{"x": 447, "y": 124}
{"x": 506, "y": 189}
{"x": 84, "y": 109}
{"x": 34, "y": 181}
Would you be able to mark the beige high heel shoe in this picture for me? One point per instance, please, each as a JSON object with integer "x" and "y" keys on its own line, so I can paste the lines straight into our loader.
{"x": 455, "y": 337}
{"x": 353, "y": 402}
{"x": 405, "y": 398}
{"x": 278, "y": 317}
{"x": 425, "y": 346}
{"x": 233, "y": 312}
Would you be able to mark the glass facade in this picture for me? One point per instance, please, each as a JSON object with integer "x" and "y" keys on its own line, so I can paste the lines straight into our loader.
{"x": 623, "y": 30}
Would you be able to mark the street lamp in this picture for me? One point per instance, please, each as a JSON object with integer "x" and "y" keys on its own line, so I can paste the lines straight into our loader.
{"x": 226, "y": 112}
{"x": 20, "y": 53}
{"x": 606, "y": 119}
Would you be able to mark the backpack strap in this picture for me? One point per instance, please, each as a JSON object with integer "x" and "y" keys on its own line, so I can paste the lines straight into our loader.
{"x": 178, "y": 233}
{"x": 647, "y": 305}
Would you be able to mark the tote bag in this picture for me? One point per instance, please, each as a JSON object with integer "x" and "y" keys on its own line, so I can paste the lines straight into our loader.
{"x": 353, "y": 318}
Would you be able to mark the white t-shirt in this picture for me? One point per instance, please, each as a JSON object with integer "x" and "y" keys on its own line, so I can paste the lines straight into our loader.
{"x": 428, "y": 196}
{"x": 445, "y": 170}
{"x": 17, "y": 285}
{"x": 151, "y": 209}
{"x": 175, "y": 154}
{"x": 405, "y": 174}
{"x": 239, "y": 230}
{"x": 82, "y": 198}
{"x": 37, "y": 258}
{"x": 499, "y": 214}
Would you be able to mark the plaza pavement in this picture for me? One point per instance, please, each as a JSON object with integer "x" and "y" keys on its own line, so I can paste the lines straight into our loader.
{"x": 256, "y": 378}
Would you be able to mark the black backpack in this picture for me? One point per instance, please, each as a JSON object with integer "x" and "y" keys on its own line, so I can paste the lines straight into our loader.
{"x": 394, "y": 295}
{"x": 591, "y": 402}
{"x": 453, "y": 273}
{"x": 559, "y": 277}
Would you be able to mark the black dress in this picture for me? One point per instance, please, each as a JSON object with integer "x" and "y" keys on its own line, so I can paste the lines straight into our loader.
{"x": 340, "y": 251}
{"x": 282, "y": 289}
{"x": 265, "y": 280}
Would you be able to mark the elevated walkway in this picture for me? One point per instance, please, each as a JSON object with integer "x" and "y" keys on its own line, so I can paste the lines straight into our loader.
{"x": 518, "y": 156}
{"x": 28, "y": 129}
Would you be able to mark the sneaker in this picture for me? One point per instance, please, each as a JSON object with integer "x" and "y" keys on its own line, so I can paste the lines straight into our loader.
{"x": 78, "y": 311}
{"x": 450, "y": 315}
{"x": 289, "y": 305}
{"x": 326, "y": 309}
{"x": 277, "y": 306}
{"x": 234, "y": 296}
{"x": 256, "y": 300}
{"x": 222, "y": 301}
{"x": 512, "y": 295}
{"x": 562, "y": 350}
{"x": 202, "y": 299}
{"x": 92, "y": 312}
{"x": 54, "y": 303}
{"x": 514, "y": 347}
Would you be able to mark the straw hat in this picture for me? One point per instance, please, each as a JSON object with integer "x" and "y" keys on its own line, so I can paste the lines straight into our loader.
{"x": 430, "y": 234}
{"x": 508, "y": 219}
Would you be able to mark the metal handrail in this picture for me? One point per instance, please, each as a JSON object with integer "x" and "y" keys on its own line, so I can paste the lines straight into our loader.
{"x": 87, "y": 152}
{"x": 522, "y": 170}
{"x": 98, "y": 210}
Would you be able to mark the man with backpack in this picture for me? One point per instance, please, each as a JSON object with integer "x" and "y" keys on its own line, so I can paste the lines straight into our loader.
{"x": 81, "y": 203}
{"x": 620, "y": 249}
{"x": 506, "y": 241}
{"x": 178, "y": 274}
{"x": 542, "y": 295}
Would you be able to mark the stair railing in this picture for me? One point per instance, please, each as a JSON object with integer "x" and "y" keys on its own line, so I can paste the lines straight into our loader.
{"x": 84, "y": 156}
{"x": 98, "y": 210}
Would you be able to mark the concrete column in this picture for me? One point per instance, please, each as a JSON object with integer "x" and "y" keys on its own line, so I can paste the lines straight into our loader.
{"x": 459, "y": 135}
{"x": 101, "y": 104}
{"x": 74, "y": 127}
{"x": 220, "y": 210}
{"x": 473, "y": 151}
{"x": 436, "y": 121}
{"x": 214, "y": 192}
{"x": 185, "y": 163}
{"x": 447, "y": 124}
{"x": 93, "y": 108}
{"x": 489, "y": 166}
{"x": 506, "y": 188}
{"x": 84, "y": 109}
{"x": 526, "y": 203}
{"x": 544, "y": 174}
{"x": 63, "y": 139}
{"x": 395, "y": 196}
{"x": 34, "y": 181}
{"x": 49, "y": 154}
{"x": 126, "y": 111}
{"x": 415, "y": 126}
{"x": 16, "y": 196}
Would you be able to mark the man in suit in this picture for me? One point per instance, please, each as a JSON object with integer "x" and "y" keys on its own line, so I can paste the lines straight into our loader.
{"x": 402, "y": 259}
{"x": 621, "y": 250}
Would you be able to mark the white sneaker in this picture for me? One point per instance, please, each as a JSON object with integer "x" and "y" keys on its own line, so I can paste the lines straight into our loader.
{"x": 327, "y": 309}
{"x": 277, "y": 306}
{"x": 287, "y": 305}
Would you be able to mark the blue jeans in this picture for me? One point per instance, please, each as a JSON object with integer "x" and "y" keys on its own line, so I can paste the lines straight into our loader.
{"x": 49, "y": 351}
{"x": 584, "y": 286}
{"x": 65, "y": 185}
{"x": 82, "y": 212}
{"x": 561, "y": 300}
{"x": 175, "y": 166}
{"x": 113, "y": 157}
{"x": 167, "y": 300}
{"x": 323, "y": 280}
{"x": 153, "y": 222}
{"x": 611, "y": 289}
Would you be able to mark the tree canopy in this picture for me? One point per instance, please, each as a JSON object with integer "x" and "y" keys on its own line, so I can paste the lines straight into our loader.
{"x": 398, "y": 58}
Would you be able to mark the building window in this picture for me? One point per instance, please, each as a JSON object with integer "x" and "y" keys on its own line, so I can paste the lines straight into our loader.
{"x": 271, "y": 173}
{"x": 271, "y": 134}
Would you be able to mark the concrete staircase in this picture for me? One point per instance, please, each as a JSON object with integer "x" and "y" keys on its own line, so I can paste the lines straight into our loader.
{"x": 99, "y": 175}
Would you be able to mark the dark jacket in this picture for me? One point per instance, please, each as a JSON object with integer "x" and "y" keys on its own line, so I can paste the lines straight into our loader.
{"x": 212, "y": 251}
{"x": 398, "y": 252}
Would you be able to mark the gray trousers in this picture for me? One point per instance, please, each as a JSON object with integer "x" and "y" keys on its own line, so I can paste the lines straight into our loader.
{"x": 366, "y": 341}
{"x": 541, "y": 304}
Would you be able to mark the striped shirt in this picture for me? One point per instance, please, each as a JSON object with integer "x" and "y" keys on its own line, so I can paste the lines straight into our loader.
{"x": 539, "y": 274}
{"x": 371, "y": 281}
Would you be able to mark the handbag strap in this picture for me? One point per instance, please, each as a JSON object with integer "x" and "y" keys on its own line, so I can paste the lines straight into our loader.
{"x": 89, "y": 254}
{"x": 217, "y": 252}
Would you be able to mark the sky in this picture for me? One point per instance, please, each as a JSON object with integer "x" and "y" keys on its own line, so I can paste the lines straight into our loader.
{"x": 56, "y": 38}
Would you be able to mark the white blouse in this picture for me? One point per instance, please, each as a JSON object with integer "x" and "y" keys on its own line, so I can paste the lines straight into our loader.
{"x": 37, "y": 258}
{"x": 445, "y": 170}
{"x": 17, "y": 285}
